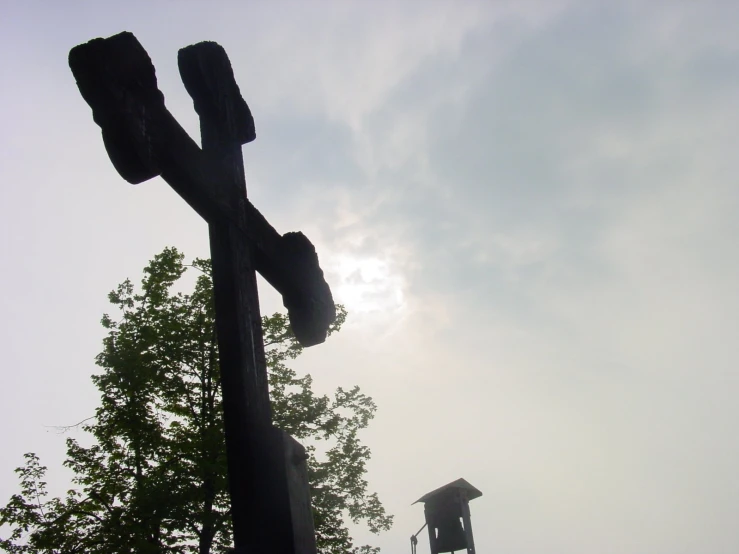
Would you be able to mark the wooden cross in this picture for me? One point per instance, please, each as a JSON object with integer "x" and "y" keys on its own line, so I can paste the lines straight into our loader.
{"x": 270, "y": 499}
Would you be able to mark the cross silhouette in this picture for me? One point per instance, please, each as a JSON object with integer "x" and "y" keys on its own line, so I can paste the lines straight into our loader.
{"x": 270, "y": 497}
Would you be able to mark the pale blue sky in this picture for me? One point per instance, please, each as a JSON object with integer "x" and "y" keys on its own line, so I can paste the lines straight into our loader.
{"x": 529, "y": 209}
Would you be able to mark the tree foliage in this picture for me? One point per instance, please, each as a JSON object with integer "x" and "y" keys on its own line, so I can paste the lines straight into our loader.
{"x": 154, "y": 478}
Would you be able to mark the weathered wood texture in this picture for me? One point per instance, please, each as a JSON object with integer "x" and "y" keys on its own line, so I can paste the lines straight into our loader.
{"x": 296, "y": 469}
{"x": 267, "y": 474}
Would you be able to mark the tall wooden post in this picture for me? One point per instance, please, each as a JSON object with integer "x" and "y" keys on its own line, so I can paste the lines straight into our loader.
{"x": 270, "y": 496}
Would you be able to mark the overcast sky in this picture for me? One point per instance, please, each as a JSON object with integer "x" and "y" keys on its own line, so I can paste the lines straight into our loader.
{"x": 529, "y": 210}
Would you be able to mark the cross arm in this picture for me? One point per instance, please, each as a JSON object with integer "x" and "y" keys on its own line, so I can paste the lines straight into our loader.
{"x": 143, "y": 140}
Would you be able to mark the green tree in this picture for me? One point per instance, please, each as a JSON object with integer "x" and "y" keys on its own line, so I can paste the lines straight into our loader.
{"x": 154, "y": 479}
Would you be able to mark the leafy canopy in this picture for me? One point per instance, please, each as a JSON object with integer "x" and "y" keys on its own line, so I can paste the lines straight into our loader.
{"x": 154, "y": 479}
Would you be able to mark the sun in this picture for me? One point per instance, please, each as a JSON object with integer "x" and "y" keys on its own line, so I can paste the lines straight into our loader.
{"x": 367, "y": 284}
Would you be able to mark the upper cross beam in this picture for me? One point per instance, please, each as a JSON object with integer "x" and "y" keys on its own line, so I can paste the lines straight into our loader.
{"x": 143, "y": 140}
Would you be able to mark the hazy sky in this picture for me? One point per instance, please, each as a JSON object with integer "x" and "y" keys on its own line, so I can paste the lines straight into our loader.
{"x": 529, "y": 210}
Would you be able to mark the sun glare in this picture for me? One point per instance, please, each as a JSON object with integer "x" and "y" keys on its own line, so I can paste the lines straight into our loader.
{"x": 367, "y": 285}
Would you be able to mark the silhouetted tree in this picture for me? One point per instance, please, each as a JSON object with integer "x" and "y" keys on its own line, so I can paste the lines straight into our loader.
{"x": 154, "y": 480}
